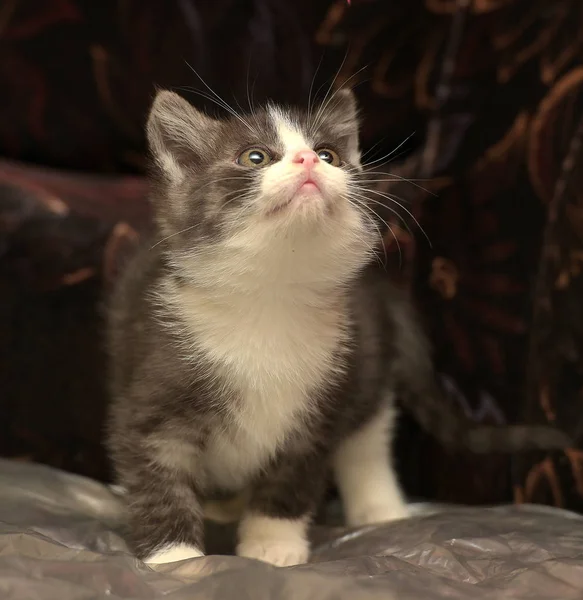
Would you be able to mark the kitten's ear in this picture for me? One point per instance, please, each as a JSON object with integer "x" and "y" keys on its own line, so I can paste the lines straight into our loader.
{"x": 176, "y": 133}
{"x": 343, "y": 112}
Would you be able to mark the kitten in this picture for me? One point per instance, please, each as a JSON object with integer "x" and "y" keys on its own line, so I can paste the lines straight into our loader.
{"x": 255, "y": 346}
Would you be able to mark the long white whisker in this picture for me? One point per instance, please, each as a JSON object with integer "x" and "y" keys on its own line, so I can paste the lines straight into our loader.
{"x": 334, "y": 78}
{"x": 364, "y": 205}
{"x": 401, "y": 219}
{"x": 388, "y": 162}
{"x": 330, "y": 88}
{"x": 359, "y": 208}
{"x": 224, "y": 103}
{"x": 173, "y": 234}
{"x": 311, "y": 88}
{"x": 249, "y": 98}
{"x": 406, "y": 179}
{"x": 326, "y": 102}
{"x": 373, "y": 147}
{"x": 391, "y": 210}
{"x": 386, "y": 261}
{"x": 239, "y": 178}
{"x": 393, "y": 180}
{"x": 365, "y": 201}
{"x": 212, "y": 99}
{"x": 366, "y": 165}
{"x": 393, "y": 199}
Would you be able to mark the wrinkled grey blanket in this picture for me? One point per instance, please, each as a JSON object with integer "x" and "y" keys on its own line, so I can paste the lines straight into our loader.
{"x": 59, "y": 539}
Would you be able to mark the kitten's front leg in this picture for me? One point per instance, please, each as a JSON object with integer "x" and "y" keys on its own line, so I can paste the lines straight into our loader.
{"x": 165, "y": 517}
{"x": 275, "y": 528}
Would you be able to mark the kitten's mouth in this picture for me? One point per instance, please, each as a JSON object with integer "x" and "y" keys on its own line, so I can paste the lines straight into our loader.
{"x": 307, "y": 192}
{"x": 309, "y": 185}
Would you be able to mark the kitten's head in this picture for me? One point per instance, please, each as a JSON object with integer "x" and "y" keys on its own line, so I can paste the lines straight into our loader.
{"x": 274, "y": 191}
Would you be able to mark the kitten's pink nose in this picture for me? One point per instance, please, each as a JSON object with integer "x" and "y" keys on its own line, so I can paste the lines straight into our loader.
{"x": 308, "y": 158}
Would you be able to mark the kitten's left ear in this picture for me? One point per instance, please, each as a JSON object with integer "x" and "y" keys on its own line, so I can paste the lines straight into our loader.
{"x": 343, "y": 112}
{"x": 178, "y": 134}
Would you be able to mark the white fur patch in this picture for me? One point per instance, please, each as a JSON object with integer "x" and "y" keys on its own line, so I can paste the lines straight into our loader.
{"x": 365, "y": 476}
{"x": 173, "y": 553}
{"x": 289, "y": 134}
{"x": 280, "y": 542}
{"x": 275, "y": 351}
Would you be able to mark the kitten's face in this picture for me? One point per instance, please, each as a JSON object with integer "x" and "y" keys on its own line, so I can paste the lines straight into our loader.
{"x": 269, "y": 185}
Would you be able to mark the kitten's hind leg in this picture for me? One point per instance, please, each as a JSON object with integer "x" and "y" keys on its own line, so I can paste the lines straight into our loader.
{"x": 365, "y": 476}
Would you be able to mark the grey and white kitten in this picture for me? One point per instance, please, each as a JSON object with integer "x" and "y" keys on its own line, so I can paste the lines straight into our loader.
{"x": 255, "y": 347}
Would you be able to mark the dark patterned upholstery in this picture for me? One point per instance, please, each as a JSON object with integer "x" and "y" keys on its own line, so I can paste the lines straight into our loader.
{"x": 491, "y": 93}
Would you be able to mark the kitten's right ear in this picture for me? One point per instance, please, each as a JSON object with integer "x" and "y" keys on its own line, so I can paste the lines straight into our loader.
{"x": 176, "y": 133}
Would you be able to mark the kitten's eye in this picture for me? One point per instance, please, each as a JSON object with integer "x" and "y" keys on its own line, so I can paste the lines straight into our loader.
{"x": 329, "y": 156}
{"x": 254, "y": 158}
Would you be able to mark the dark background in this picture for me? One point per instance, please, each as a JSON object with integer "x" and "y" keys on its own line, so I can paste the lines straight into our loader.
{"x": 491, "y": 93}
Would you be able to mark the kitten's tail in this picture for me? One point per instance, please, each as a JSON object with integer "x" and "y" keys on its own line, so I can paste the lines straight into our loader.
{"x": 414, "y": 381}
{"x": 439, "y": 414}
{"x": 442, "y": 418}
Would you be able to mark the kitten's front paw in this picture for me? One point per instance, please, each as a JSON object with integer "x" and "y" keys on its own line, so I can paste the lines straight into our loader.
{"x": 377, "y": 513}
{"x": 278, "y": 553}
{"x": 279, "y": 542}
{"x": 173, "y": 553}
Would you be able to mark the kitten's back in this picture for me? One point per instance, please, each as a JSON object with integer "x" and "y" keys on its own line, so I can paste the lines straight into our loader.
{"x": 130, "y": 312}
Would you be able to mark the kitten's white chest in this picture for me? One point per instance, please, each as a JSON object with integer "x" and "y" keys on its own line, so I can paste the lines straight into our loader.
{"x": 261, "y": 423}
{"x": 275, "y": 355}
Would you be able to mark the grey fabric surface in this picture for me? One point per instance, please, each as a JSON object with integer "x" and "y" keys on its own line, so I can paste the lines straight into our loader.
{"x": 60, "y": 539}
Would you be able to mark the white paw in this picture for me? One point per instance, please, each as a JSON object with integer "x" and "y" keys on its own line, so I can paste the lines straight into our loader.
{"x": 280, "y": 542}
{"x": 377, "y": 513}
{"x": 278, "y": 553}
{"x": 173, "y": 553}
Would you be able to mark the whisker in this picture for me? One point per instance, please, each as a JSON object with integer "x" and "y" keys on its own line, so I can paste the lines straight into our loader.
{"x": 373, "y": 147}
{"x": 390, "y": 161}
{"x": 326, "y": 102}
{"x": 365, "y": 165}
{"x": 365, "y": 201}
{"x": 335, "y": 76}
{"x": 329, "y": 89}
{"x": 393, "y": 180}
{"x": 173, "y": 234}
{"x": 363, "y": 197}
{"x": 309, "y": 112}
{"x": 392, "y": 210}
{"x": 225, "y": 107}
{"x": 241, "y": 196}
{"x": 207, "y": 96}
{"x": 364, "y": 205}
{"x": 406, "y": 179}
{"x": 386, "y": 261}
{"x": 224, "y": 103}
{"x": 249, "y": 98}
{"x": 245, "y": 196}
{"x": 394, "y": 199}
{"x": 364, "y": 214}
{"x": 238, "y": 178}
